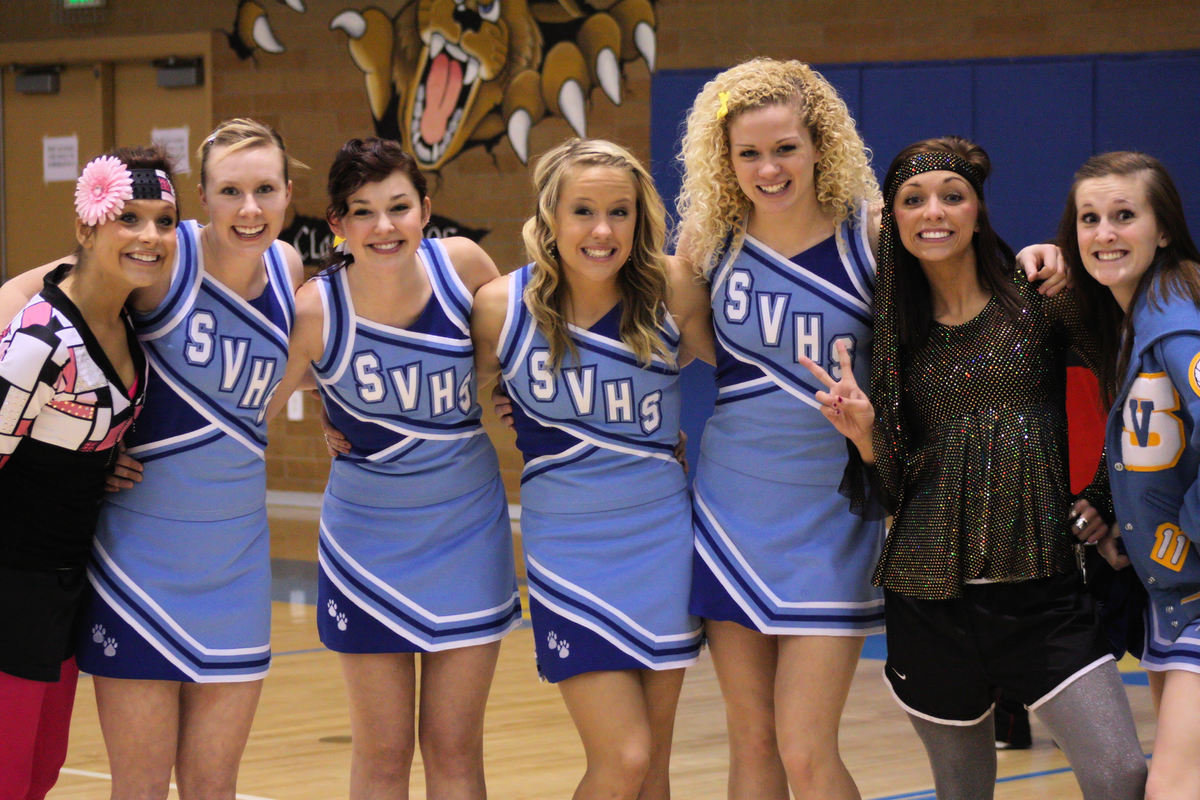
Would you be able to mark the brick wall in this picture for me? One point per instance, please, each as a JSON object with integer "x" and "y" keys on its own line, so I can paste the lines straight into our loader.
{"x": 314, "y": 95}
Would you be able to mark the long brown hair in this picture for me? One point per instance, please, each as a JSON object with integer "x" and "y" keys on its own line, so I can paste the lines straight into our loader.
{"x": 994, "y": 260}
{"x": 1175, "y": 269}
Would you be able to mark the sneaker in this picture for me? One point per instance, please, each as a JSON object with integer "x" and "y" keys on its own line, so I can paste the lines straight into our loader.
{"x": 1012, "y": 727}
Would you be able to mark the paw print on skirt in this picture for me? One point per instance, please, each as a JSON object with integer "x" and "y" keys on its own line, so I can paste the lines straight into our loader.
{"x": 98, "y": 634}
{"x": 341, "y": 622}
{"x": 110, "y": 647}
{"x": 332, "y": 607}
{"x": 561, "y": 645}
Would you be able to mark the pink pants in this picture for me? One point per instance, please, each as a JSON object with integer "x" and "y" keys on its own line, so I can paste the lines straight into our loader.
{"x": 34, "y": 725}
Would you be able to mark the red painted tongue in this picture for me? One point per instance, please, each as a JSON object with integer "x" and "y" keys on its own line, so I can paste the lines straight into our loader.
{"x": 442, "y": 87}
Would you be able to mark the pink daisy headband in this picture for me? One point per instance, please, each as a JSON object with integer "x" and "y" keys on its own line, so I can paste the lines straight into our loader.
{"x": 106, "y": 184}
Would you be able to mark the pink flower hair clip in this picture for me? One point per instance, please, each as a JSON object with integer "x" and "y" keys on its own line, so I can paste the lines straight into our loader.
{"x": 102, "y": 189}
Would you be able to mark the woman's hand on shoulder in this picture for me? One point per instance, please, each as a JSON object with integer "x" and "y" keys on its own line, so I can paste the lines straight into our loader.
{"x": 1045, "y": 263}
{"x": 688, "y": 303}
{"x": 472, "y": 263}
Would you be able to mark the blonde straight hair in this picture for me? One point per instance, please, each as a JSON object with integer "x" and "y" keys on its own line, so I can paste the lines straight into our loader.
{"x": 642, "y": 279}
{"x": 242, "y": 133}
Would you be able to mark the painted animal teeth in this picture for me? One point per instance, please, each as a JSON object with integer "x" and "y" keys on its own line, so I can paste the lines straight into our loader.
{"x": 436, "y": 43}
{"x": 518, "y": 133}
{"x": 471, "y": 74}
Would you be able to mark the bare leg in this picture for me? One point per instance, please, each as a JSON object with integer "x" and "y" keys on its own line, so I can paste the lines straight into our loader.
{"x": 661, "y": 690}
{"x": 381, "y": 688}
{"x": 963, "y": 757}
{"x": 140, "y": 723}
{"x": 745, "y": 662}
{"x": 214, "y": 724}
{"x": 812, "y": 682}
{"x": 609, "y": 711}
{"x": 1175, "y": 769}
{"x": 1158, "y": 681}
{"x": 1091, "y": 721}
{"x": 454, "y": 693}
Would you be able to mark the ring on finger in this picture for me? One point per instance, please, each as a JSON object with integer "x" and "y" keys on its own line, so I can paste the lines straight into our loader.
{"x": 1080, "y": 523}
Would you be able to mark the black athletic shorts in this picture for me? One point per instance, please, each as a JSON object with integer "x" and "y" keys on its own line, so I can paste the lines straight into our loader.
{"x": 37, "y": 628}
{"x": 946, "y": 658}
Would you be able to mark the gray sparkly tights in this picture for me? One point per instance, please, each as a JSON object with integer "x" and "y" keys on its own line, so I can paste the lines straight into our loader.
{"x": 1089, "y": 719}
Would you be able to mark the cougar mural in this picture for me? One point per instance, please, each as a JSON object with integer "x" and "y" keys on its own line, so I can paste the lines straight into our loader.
{"x": 445, "y": 75}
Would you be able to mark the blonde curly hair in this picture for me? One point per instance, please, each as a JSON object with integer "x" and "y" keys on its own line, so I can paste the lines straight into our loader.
{"x": 642, "y": 280}
{"x": 711, "y": 204}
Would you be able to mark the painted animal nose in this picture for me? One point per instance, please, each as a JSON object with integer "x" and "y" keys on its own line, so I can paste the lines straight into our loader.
{"x": 468, "y": 18}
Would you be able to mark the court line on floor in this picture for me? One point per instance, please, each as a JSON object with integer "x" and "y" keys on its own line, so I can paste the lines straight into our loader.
{"x": 84, "y": 773}
{"x": 930, "y": 794}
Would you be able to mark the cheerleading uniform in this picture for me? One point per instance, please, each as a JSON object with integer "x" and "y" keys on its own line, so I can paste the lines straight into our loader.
{"x": 415, "y": 547}
{"x": 777, "y": 548}
{"x": 181, "y": 566}
{"x": 604, "y": 508}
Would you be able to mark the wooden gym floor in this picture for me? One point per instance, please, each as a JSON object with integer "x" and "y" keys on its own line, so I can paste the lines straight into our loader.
{"x": 299, "y": 748}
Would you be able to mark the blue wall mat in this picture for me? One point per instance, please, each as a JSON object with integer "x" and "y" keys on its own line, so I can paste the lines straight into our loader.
{"x": 671, "y": 96}
{"x": 1035, "y": 121}
{"x": 1152, "y": 103}
{"x": 1038, "y": 119}
{"x": 904, "y": 103}
{"x": 848, "y": 82}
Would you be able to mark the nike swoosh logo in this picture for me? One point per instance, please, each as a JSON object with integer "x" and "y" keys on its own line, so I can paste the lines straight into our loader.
{"x": 898, "y": 674}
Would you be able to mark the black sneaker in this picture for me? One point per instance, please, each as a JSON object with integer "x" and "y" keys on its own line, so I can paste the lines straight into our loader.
{"x": 1012, "y": 726}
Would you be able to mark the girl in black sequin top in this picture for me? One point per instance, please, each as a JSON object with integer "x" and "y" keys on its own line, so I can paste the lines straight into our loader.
{"x": 968, "y": 439}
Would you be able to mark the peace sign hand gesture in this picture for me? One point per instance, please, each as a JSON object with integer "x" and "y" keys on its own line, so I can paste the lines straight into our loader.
{"x": 844, "y": 404}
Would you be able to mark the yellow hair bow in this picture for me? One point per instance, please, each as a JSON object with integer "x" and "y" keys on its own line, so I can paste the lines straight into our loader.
{"x": 724, "y": 109}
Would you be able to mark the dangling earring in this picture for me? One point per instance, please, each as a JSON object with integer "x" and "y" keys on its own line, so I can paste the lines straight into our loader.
{"x": 553, "y": 250}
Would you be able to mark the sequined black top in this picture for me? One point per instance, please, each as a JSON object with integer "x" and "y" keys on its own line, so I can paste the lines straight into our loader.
{"x": 980, "y": 487}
